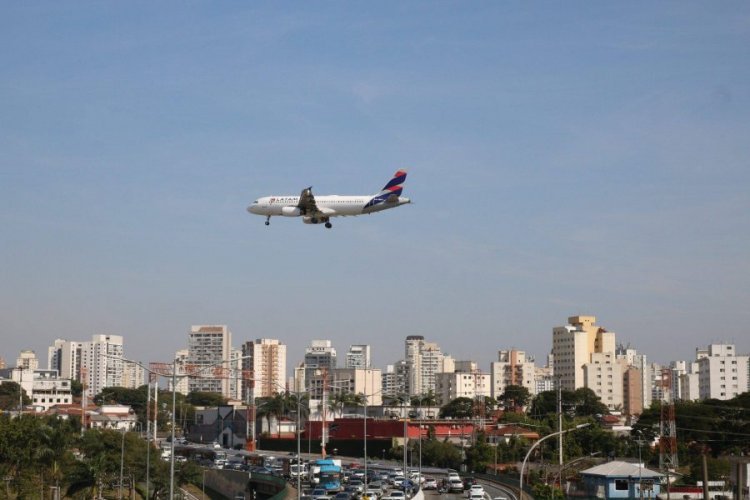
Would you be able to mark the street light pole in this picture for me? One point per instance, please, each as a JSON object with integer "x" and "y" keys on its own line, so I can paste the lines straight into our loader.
{"x": 299, "y": 446}
{"x": 174, "y": 407}
{"x": 122, "y": 461}
{"x": 640, "y": 466}
{"x": 528, "y": 454}
{"x": 173, "y": 376}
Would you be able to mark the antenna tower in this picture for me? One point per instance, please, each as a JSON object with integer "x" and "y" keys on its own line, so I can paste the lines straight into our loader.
{"x": 667, "y": 425}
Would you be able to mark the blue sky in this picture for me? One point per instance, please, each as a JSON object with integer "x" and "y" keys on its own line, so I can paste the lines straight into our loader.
{"x": 564, "y": 158}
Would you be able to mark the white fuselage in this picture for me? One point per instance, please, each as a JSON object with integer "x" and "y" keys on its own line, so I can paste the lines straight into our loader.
{"x": 330, "y": 205}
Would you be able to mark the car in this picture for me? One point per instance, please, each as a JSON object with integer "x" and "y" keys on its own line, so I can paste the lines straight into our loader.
{"x": 319, "y": 492}
{"x": 373, "y": 493}
{"x": 395, "y": 495}
{"x": 398, "y": 480}
{"x": 430, "y": 483}
{"x": 476, "y": 495}
{"x": 353, "y": 491}
{"x": 476, "y": 486}
{"x": 342, "y": 495}
{"x": 455, "y": 485}
{"x": 216, "y": 445}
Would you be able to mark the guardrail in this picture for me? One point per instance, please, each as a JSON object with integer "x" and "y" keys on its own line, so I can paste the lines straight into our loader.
{"x": 509, "y": 482}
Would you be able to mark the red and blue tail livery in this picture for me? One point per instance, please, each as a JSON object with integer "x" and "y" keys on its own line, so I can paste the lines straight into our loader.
{"x": 390, "y": 191}
{"x": 320, "y": 209}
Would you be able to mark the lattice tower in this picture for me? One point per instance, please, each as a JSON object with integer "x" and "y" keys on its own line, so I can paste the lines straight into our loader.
{"x": 667, "y": 425}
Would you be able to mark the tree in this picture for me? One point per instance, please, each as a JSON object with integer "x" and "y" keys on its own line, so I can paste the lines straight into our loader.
{"x": 271, "y": 407}
{"x": 458, "y": 408}
{"x": 480, "y": 454}
{"x": 437, "y": 453}
{"x": 197, "y": 398}
{"x": 588, "y": 404}
{"x": 9, "y": 396}
{"x": 515, "y": 396}
{"x": 544, "y": 405}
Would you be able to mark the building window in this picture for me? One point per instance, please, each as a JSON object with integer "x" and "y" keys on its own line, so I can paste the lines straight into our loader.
{"x": 621, "y": 485}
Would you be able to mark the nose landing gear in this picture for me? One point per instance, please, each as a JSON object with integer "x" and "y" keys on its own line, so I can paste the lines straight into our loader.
{"x": 329, "y": 225}
{"x": 268, "y": 220}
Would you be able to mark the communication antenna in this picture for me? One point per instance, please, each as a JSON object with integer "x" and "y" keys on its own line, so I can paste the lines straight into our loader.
{"x": 667, "y": 425}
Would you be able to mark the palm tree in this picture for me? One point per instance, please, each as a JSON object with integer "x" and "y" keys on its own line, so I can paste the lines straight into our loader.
{"x": 336, "y": 402}
{"x": 272, "y": 407}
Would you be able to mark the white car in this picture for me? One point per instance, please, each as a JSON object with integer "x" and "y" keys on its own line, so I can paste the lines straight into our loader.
{"x": 476, "y": 487}
{"x": 476, "y": 495}
{"x": 395, "y": 495}
{"x": 373, "y": 493}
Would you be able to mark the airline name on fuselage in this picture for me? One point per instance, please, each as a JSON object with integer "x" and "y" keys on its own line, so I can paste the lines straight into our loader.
{"x": 284, "y": 199}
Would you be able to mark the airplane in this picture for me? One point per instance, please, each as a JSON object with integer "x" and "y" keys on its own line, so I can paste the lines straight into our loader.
{"x": 320, "y": 209}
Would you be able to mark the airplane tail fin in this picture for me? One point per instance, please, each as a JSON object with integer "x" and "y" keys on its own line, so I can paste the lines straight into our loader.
{"x": 390, "y": 191}
{"x": 395, "y": 186}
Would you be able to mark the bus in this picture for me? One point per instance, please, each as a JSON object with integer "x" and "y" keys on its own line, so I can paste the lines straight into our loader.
{"x": 326, "y": 474}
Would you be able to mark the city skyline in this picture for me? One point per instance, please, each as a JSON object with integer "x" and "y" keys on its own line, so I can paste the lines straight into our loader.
{"x": 564, "y": 159}
{"x": 483, "y": 365}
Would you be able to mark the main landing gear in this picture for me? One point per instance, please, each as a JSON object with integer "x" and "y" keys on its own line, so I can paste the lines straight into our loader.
{"x": 329, "y": 225}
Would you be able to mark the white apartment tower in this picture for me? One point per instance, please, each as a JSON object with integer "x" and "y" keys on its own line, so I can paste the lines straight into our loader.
{"x": 461, "y": 384}
{"x": 101, "y": 362}
{"x": 573, "y": 345}
{"x": 181, "y": 381}
{"x": 27, "y": 361}
{"x": 722, "y": 374}
{"x": 512, "y": 368}
{"x": 210, "y": 355}
{"x": 365, "y": 381}
{"x": 424, "y": 360}
{"x": 358, "y": 356}
{"x": 266, "y": 366}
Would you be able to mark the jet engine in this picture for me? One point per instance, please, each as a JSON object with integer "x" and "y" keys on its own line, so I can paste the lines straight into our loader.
{"x": 311, "y": 220}
{"x": 290, "y": 211}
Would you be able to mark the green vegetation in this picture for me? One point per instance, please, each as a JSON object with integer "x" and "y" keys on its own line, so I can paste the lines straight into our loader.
{"x": 37, "y": 453}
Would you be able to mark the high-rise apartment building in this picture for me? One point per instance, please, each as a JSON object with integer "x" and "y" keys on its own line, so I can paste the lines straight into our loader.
{"x": 358, "y": 356}
{"x": 512, "y": 368}
{"x": 633, "y": 359}
{"x": 210, "y": 357}
{"x": 54, "y": 356}
{"x": 133, "y": 376}
{"x": 320, "y": 356}
{"x": 722, "y": 374}
{"x": 367, "y": 382}
{"x": 266, "y": 366}
{"x": 101, "y": 362}
{"x": 461, "y": 384}
{"x": 394, "y": 380}
{"x": 573, "y": 345}
{"x": 27, "y": 360}
{"x": 632, "y": 391}
{"x": 424, "y": 360}
{"x": 604, "y": 375}
{"x": 181, "y": 358}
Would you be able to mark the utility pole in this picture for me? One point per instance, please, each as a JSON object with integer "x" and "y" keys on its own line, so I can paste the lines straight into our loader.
{"x": 559, "y": 420}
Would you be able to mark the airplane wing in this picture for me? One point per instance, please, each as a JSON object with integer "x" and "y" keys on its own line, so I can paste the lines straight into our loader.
{"x": 307, "y": 205}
